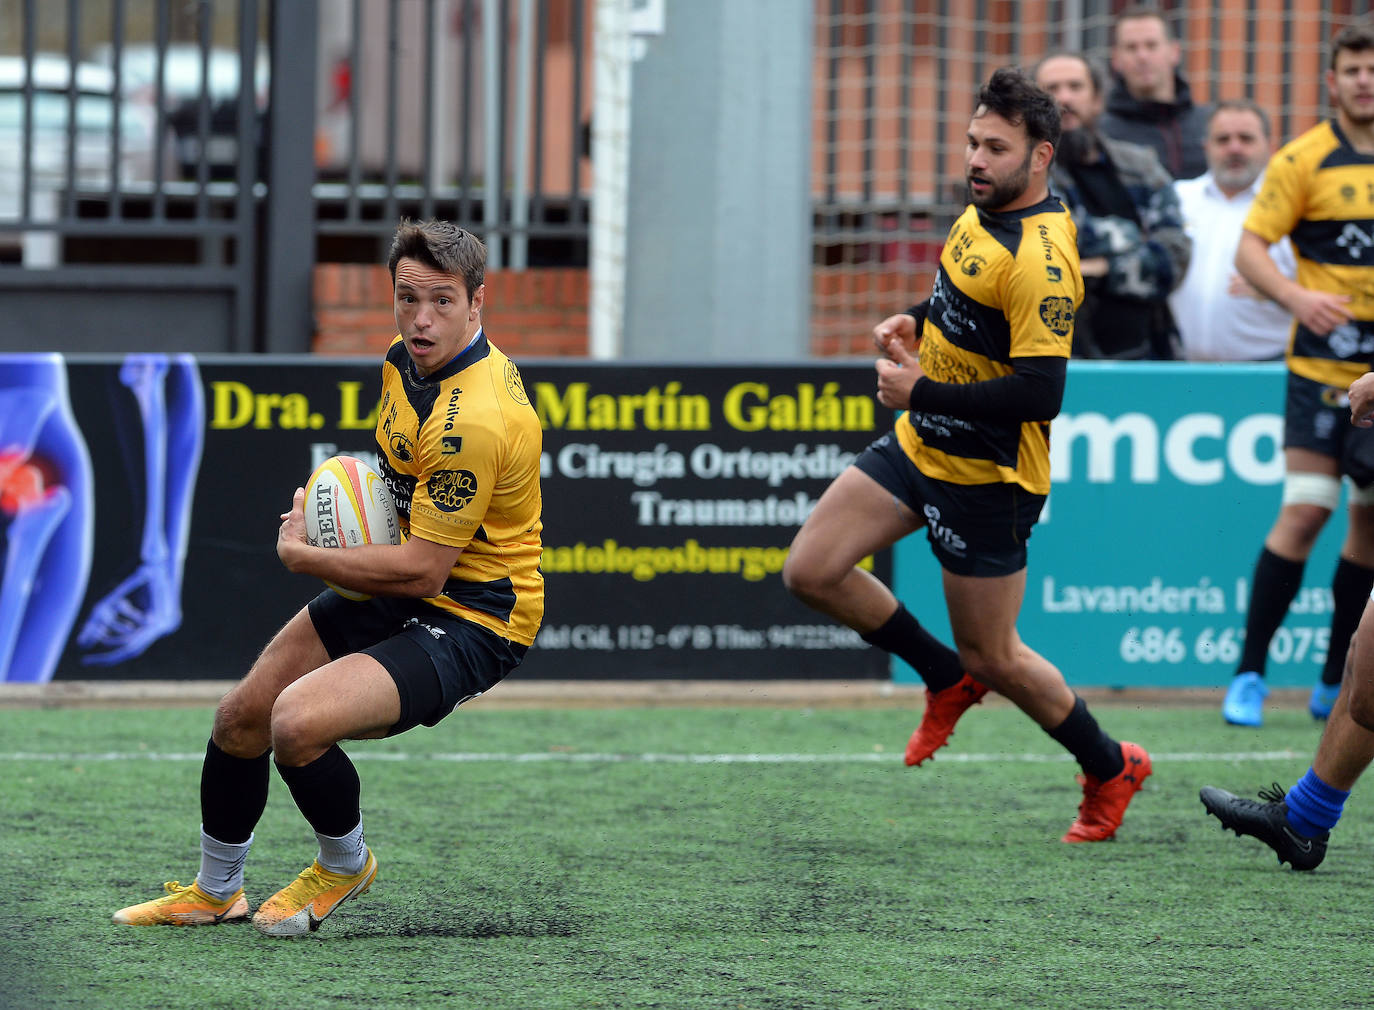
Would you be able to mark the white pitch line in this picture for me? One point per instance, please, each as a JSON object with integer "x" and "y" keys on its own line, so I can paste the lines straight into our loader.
{"x": 565, "y": 757}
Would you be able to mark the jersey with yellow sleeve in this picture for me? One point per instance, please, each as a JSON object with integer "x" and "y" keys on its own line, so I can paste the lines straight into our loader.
{"x": 460, "y": 452}
{"x": 1319, "y": 191}
{"x": 1007, "y": 286}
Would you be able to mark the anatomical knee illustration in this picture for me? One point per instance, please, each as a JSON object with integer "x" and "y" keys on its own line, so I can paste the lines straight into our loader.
{"x": 46, "y": 515}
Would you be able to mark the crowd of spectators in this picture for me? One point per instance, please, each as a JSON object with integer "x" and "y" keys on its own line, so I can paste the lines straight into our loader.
{"x": 1159, "y": 187}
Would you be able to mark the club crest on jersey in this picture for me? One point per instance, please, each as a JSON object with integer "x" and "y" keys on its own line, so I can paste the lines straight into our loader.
{"x": 972, "y": 265}
{"x": 401, "y": 447}
{"x": 1056, "y": 312}
{"x": 514, "y": 385}
{"x": 452, "y": 490}
{"x": 397, "y": 441}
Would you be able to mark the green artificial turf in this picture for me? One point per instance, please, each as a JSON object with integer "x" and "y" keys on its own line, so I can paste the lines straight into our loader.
{"x": 689, "y": 857}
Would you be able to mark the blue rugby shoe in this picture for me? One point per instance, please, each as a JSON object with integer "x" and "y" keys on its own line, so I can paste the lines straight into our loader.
{"x": 1323, "y": 700}
{"x": 1244, "y": 704}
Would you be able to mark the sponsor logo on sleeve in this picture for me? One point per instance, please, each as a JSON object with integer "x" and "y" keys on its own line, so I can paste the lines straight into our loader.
{"x": 452, "y": 490}
{"x": 1056, "y": 312}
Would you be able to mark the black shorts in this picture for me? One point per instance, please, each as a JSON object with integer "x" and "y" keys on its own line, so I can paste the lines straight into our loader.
{"x": 973, "y": 529}
{"x": 1315, "y": 416}
{"x": 438, "y": 661}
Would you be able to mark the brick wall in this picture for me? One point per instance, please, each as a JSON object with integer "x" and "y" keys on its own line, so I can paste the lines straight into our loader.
{"x": 529, "y": 313}
{"x": 543, "y": 313}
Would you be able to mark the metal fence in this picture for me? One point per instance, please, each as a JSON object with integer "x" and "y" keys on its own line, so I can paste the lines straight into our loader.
{"x": 893, "y": 87}
{"x": 473, "y": 110}
{"x": 149, "y": 200}
{"x": 95, "y": 210}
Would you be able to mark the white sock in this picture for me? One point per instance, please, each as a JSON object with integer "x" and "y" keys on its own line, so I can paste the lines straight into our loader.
{"x": 221, "y": 866}
{"x": 345, "y": 854}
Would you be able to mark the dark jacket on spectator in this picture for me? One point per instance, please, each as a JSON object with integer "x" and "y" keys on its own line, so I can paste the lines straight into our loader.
{"x": 1176, "y": 130}
{"x": 1126, "y": 313}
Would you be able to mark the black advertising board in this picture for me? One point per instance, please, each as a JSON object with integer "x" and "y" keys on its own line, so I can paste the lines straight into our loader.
{"x": 140, "y": 497}
{"x": 671, "y": 494}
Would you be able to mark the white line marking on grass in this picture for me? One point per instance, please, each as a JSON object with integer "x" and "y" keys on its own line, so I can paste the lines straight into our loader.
{"x": 566, "y": 757}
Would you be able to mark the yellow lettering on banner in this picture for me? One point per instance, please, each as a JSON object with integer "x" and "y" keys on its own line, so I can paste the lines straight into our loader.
{"x": 656, "y": 409}
{"x": 295, "y": 413}
{"x": 568, "y": 411}
{"x": 643, "y": 564}
{"x": 233, "y": 405}
{"x": 751, "y": 406}
{"x": 737, "y": 415}
{"x": 348, "y": 409}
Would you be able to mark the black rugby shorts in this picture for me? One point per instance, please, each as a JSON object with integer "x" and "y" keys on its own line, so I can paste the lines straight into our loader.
{"x": 1316, "y": 417}
{"x": 438, "y": 661}
{"x": 973, "y": 529}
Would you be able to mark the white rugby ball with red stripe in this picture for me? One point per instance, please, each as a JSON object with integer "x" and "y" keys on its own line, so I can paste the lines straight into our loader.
{"x": 347, "y": 504}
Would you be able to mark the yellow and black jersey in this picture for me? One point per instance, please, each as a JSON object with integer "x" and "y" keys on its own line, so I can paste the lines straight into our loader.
{"x": 1319, "y": 191}
{"x": 460, "y": 452}
{"x": 1007, "y": 287}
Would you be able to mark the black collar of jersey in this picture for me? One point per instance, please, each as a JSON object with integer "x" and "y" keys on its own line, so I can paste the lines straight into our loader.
{"x": 471, "y": 354}
{"x": 1352, "y": 155}
{"x": 1049, "y": 205}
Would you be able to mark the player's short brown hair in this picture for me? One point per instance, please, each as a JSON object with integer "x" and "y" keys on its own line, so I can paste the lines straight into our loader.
{"x": 1352, "y": 39}
{"x": 441, "y": 245}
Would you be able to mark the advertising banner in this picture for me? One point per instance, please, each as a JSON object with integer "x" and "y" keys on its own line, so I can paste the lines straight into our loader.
{"x": 671, "y": 494}
{"x": 1167, "y": 477}
{"x": 140, "y": 498}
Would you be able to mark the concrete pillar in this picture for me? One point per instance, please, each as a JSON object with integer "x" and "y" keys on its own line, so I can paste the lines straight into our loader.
{"x": 719, "y": 229}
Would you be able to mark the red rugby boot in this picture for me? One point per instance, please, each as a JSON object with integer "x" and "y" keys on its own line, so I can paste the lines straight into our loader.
{"x": 1104, "y": 803}
{"x": 943, "y": 709}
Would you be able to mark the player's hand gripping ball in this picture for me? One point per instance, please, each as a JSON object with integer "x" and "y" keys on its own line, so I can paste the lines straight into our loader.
{"x": 347, "y": 504}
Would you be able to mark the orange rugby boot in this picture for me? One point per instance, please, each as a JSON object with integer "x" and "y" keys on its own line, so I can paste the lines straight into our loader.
{"x": 300, "y": 907}
{"x": 1104, "y": 803}
{"x": 943, "y": 709}
{"x": 184, "y": 906}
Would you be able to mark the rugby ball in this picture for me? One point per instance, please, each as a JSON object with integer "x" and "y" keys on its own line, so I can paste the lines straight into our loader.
{"x": 347, "y": 504}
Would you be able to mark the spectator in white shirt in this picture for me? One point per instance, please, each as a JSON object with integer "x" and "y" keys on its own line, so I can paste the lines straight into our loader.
{"x": 1219, "y": 316}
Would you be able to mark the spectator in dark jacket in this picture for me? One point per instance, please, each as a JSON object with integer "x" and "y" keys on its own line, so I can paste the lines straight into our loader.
{"x": 1150, "y": 103}
{"x": 1131, "y": 244}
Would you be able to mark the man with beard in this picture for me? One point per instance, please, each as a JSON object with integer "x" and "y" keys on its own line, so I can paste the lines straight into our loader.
{"x": 1220, "y": 317}
{"x": 1130, "y": 231}
{"x": 981, "y": 366}
{"x": 1319, "y": 191}
{"x": 1150, "y": 103}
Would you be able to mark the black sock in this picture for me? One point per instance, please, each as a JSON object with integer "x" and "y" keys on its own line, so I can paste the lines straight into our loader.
{"x": 328, "y": 791}
{"x": 233, "y": 794}
{"x": 902, "y": 635}
{"x": 1274, "y": 585}
{"x": 1349, "y": 590}
{"x": 1097, "y": 753}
